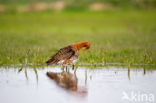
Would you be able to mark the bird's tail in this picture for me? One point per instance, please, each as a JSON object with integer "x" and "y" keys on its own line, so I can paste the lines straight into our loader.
{"x": 47, "y": 62}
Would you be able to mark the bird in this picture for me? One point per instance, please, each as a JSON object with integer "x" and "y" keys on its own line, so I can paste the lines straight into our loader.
{"x": 68, "y": 55}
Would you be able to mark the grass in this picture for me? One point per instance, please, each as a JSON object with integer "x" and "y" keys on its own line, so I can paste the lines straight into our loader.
{"x": 116, "y": 36}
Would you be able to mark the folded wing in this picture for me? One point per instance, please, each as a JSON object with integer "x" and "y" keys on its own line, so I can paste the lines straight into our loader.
{"x": 62, "y": 54}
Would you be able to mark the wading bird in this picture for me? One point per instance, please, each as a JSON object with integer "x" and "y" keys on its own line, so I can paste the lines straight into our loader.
{"x": 69, "y": 54}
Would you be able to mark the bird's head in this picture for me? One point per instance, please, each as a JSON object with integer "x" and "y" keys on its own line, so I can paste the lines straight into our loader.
{"x": 82, "y": 46}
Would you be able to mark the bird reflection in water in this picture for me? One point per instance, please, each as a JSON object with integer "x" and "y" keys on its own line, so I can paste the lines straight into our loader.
{"x": 67, "y": 81}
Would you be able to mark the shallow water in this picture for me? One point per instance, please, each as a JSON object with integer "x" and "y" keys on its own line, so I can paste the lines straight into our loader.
{"x": 98, "y": 85}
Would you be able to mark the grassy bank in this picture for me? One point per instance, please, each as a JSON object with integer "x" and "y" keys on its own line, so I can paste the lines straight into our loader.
{"x": 116, "y": 36}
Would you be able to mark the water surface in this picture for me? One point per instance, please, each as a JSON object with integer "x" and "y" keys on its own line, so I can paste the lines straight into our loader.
{"x": 98, "y": 85}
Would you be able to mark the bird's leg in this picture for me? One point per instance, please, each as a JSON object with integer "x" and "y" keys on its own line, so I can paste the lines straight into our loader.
{"x": 62, "y": 68}
{"x": 66, "y": 69}
{"x": 73, "y": 67}
{"x": 75, "y": 70}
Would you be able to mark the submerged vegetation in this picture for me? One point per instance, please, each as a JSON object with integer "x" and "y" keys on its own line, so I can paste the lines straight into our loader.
{"x": 116, "y": 36}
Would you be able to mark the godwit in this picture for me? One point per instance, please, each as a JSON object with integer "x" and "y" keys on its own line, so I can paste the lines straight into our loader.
{"x": 69, "y": 54}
